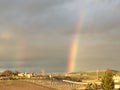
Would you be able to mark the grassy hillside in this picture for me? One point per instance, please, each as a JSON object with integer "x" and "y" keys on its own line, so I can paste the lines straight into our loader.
{"x": 92, "y": 73}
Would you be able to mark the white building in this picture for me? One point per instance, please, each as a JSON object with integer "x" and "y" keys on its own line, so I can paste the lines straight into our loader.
{"x": 116, "y": 79}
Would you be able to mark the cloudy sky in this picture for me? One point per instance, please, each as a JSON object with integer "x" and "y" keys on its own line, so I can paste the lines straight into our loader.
{"x": 36, "y": 34}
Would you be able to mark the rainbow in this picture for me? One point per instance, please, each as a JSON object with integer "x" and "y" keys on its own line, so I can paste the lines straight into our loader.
{"x": 20, "y": 53}
{"x": 72, "y": 58}
{"x": 73, "y": 53}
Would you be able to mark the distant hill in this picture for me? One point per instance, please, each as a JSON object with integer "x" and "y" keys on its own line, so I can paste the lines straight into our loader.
{"x": 93, "y": 72}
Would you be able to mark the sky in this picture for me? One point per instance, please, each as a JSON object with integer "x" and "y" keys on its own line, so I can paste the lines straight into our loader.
{"x": 36, "y": 34}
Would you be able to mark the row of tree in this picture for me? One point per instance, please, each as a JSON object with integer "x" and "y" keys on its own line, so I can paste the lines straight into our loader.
{"x": 9, "y": 73}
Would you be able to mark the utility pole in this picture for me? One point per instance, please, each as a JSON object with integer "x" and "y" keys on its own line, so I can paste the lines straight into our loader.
{"x": 97, "y": 73}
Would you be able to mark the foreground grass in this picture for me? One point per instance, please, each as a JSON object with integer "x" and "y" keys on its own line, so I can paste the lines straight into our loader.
{"x": 20, "y": 85}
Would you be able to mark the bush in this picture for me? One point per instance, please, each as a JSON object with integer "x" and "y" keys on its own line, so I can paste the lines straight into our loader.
{"x": 107, "y": 80}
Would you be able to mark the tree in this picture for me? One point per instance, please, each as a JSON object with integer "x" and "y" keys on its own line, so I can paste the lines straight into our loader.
{"x": 15, "y": 72}
{"x": 107, "y": 80}
{"x": 7, "y": 73}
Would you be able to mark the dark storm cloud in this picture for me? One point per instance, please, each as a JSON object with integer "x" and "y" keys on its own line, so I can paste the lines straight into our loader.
{"x": 37, "y": 16}
{"x": 45, "y": 28}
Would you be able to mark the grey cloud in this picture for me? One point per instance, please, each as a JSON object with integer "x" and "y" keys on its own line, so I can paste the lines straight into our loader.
{"x": 45, "y": 28}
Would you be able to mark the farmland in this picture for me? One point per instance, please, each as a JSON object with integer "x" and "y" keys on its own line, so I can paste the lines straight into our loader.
{"x": 20, "y": 85}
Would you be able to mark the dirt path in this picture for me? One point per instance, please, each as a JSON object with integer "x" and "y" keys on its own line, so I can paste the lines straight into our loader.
{"x": 20, "y": 85}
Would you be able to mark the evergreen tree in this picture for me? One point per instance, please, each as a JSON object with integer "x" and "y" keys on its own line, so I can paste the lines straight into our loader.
{"x": 107, "y": 80}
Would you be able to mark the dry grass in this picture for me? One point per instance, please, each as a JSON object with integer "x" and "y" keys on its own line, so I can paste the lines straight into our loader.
{"x": 20, "y": 85}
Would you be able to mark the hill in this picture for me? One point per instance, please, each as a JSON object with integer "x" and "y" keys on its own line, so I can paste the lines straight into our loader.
{"x": 92, "y": 73}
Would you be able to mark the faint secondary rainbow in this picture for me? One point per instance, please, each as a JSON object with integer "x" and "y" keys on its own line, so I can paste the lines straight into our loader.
{"x": 20, "y": 53}
{"x": 72, "y": 59}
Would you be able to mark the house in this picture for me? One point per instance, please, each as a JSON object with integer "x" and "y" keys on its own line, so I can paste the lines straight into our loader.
{"x": 21, "y": 75}
{"x": 117, "y": 86}
{"x": 116, "y": 79}
{"x": 27, "y": 75}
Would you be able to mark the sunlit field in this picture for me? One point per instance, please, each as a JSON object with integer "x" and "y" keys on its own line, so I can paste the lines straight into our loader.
{"x": 20, "y": 85}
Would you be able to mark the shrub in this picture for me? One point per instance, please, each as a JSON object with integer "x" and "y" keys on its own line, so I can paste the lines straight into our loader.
{"x": 107, "y": 80}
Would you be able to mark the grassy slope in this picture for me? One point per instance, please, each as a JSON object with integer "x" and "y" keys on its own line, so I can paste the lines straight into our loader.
{"x": 92, "y": 73}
